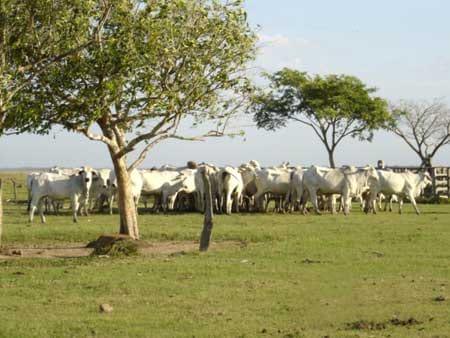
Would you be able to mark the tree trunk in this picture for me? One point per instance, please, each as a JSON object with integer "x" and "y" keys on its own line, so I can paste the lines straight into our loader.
{"x": 208, "y": 220}
{"x": 1, "y": 213}
{"x": 426, "y": 162}
{"x": 125, "y": 201}
{"x": 331, "y": 158}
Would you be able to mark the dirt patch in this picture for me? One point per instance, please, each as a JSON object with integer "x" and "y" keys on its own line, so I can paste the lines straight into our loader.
{"x": 374, "y": 326}
{"x": 365, "y": 325}
{"x": 172, "y": 249}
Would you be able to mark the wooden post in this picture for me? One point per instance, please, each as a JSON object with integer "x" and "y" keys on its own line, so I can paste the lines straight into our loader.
{"x": 208, "y": 220}
{"x": 1, "y": 212}
{"x": 448, "y": 182}
{"x": 433, "y": 181}
{"x": 14, "y": 189}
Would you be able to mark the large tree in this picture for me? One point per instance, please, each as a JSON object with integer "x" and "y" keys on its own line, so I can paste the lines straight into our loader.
{"x": 334, "y": 106}
{"x": 424, "y": 126}
{"x": 156, "y": 64}
{"x": 35, "y": 35}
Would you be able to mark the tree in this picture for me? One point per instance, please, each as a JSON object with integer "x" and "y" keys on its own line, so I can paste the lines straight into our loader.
{"x": 334, "y": 106}
{"x": 157, "y": 63}
{"x": 424, "y": 126}
{"x": 33, "y": 36}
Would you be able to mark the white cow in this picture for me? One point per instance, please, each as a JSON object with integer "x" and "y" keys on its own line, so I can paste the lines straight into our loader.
{"x": 403, "y": 185}
{"x": 99, "y": 188}
{"x": 155, "y": 180}
{"x": 230, "y": 186}
{"x": 248, "y": 173}
{"x": 29, "y": 183}
{"x": 275, "y": 181}
{"x": 137, "y": 184}
{"x": 348, "y": 182}
{"x": 184, "y": 182}
{"x": 59, "y": 187}
{"x": 296, "y": 189}
{"x": 200, "y": 187}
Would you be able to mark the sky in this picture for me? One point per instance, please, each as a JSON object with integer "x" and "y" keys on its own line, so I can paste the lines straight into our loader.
{"x": 401, "y": 47}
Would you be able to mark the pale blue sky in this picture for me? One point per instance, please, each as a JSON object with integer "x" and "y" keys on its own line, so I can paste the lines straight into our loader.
{"x": 401, "y": 47}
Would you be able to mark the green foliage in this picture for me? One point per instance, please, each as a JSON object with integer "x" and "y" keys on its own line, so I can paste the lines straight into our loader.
{"x": 33, "y": 36}
{"x": 335, "y": 106}
{"x": 154, "y": 59}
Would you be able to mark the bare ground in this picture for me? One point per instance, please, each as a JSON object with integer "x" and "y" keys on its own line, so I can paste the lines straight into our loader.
{"x": 80, "y": 250}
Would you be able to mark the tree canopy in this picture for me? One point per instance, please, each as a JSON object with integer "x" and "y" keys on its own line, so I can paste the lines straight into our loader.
{"x": 35, "y": 35}
{"x": 334, "y": 106}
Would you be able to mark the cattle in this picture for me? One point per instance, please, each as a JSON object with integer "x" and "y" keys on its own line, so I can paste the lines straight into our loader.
{"x": 230, "y": 187}
{"x": 275, "y": 180}
{"x": 99, "y": 193}
{"x": 136, "y": 181}
{"x": 348, "y": 182}
{"x": 248, "y": 173}
{"x": 403, "y": 185}
{"x": 183, "y": 182}
{"x": 59, "y": 187}
{"x": 200, "y": 188}
{"x": 296, "y": 190}
{"x": 29, "y": 183}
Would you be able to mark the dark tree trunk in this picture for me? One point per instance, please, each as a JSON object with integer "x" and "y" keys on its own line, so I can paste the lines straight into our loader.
{"x": 125, "y": 201}
{"x": 426, "y": 162}
{"x": 331, "y": 158}
{"x": 208, "y": 220}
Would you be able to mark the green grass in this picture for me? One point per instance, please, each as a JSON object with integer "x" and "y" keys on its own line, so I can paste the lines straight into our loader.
{"x": 297, "y": 276}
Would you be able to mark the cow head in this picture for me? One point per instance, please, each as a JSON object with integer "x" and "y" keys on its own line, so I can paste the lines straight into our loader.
{"x": 426, "y": 180}
{"x": 87, "y": 174}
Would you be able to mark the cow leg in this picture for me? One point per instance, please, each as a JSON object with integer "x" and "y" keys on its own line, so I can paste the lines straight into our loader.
{"x": 346, "y": 201}
{"x": 390, "y": 204}
{"x": 372, "y": 203}
{"x": 413, "y": 202}
{"x": 86, "y": 207}
{"x": 41, "y": 211}
{"x": 33, "y": 207}
{"x": 313, "y": 198}
{"x": 228, "y": 203}
{"x": 111, "y": 202}
{"x": 400, "y": 205}
{"x": 237, "y": 199}
{"x": 75, "y": 207}
{"x": 332, "y": 204}
{"x": 29, "y": 201}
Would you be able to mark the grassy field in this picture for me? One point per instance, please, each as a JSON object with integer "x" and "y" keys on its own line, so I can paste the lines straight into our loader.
{"x": 381, "y": 275}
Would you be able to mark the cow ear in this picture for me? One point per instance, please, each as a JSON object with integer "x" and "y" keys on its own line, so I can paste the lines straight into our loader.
{"x": 94, "y": 173}
{"x": 81, "y": 172}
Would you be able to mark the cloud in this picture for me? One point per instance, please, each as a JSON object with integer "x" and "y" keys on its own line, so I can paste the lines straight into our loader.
{"x": 277, "y": 51}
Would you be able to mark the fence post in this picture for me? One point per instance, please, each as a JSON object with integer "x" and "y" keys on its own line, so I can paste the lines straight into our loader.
{"x": 14, "y": 189}
{"x": 208, "y": 220}
{"x": 448, "y": 182}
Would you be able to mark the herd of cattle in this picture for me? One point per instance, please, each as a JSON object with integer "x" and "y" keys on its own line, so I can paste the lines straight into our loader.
{"x": 248, "y": 187}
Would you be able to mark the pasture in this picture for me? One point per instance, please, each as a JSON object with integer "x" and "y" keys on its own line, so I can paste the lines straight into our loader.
{"x": 265, "y": 275}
